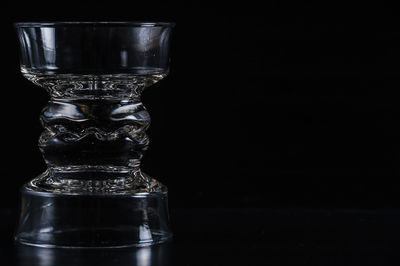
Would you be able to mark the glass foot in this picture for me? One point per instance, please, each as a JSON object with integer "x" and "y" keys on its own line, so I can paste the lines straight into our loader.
{"x": 93, "y": 221}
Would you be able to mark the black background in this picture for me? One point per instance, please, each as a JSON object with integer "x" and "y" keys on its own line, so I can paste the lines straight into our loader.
{"x": 282, "y": 105}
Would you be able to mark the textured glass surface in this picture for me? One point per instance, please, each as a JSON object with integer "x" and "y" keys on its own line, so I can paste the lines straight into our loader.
{"x": 93, "y": 193}
{"x": 94, "y": 124}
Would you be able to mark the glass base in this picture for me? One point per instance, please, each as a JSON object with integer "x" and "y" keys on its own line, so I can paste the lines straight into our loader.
{"x": 93, "y": 221}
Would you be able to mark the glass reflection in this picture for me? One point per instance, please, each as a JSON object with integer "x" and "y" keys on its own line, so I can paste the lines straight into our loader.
{"x": 145, "y": 256}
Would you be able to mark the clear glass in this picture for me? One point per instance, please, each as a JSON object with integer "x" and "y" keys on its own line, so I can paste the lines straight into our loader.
{"x": 93, "y": 193}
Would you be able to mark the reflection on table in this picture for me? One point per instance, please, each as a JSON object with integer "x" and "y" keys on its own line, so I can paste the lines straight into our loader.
{"x": 144, "y": 256}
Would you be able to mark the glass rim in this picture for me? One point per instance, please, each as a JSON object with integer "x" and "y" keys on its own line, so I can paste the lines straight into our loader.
{"x": 93, "y": 23}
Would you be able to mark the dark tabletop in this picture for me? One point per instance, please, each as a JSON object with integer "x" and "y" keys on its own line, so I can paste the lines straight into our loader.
{"x": 240, "y": 237}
